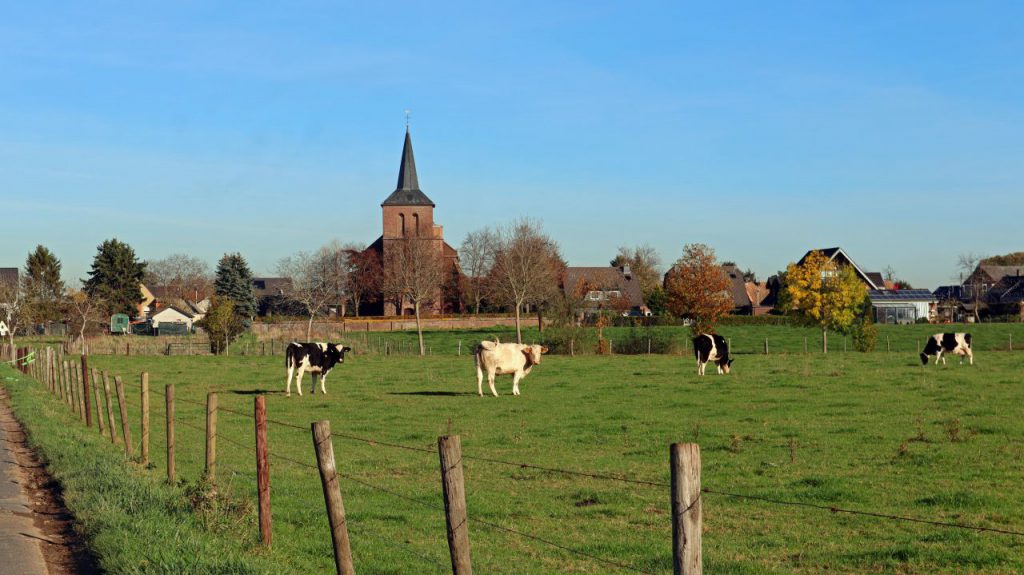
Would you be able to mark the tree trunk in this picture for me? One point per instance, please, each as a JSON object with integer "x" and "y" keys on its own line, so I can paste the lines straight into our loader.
{"x": 309, "y": 327}
{"x": 540, "y": 321}
{"x": 824, "y": 339}
{"x": 419, "y": 328}
{"x": 519, "y": 329}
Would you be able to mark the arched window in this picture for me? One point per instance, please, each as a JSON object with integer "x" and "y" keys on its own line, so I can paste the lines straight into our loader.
{"x": 416, "y": 223}
{"x": 401, "y": 218}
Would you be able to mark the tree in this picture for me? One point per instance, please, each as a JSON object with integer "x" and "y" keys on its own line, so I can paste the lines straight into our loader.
{"x": 185, "y": 277}
{"x": 414, "y": 270}
{"x": 1011, "y": 259}
{"x": 645, "y": 265}
{"x": 12, "y": 307}
{"x": 696, "y": 287}
{"x": 968, "y": 263}
{"x": 115, "y": 277}
{"x": 83, "y": 310}
{"x": 365, "y": 276}
{"x": 889, "y": 274}
{"x": 476, "y": 254}
{"x": 526, "y": 266}
{"x": 234, "y": 281}
{"x": 334, "y": 267}
{"x": 311, "y": 285}
{"x": 222, "y": 323}
{"x": 43, "y": 288}
{"x": 829, "y": 295}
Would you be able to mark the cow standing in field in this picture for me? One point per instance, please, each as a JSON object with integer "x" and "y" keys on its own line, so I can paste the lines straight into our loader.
{"x": 941, "y": 343}
{"x": 316, "y": 358}
{"x": 504, "y": 358}
{"x": 714, "y": 348}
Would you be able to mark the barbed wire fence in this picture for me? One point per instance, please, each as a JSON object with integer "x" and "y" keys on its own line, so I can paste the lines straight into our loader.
{"x": 69, "y": 383}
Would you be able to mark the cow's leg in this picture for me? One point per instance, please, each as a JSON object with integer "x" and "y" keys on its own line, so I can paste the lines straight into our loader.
{"x": 288, "y": 387}
{"x": 490, "y": 382}
{"x": 323, "y": 388}
{"x": 479, "y": 380}
{"x": 298, "y": 380}
{"x": 515, "y": 382}
{"x": 970, "y": 356}
{"x": 719, "y": 366}
{"x": 700, "y": 367}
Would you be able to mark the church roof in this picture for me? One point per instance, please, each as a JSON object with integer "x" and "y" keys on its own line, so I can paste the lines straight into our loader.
{"x": 407, "y": 192}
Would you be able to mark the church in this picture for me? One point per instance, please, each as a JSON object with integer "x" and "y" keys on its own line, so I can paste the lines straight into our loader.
{"x": 409, "y": 213}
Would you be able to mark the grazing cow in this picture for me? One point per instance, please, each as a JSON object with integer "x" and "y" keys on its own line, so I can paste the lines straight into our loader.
{"x": 955, "y": 343}
{"x": 504, "y": 358}
{"x": 314, "y": 358}
{"x": 712, "y": 347}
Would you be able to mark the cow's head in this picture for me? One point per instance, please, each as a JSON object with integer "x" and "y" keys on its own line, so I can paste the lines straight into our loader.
{"x": 924, "y": 359}
{"x": 533, "y": 353}
{"x": 336, "y": 352}
{"x": 726, "y": 366}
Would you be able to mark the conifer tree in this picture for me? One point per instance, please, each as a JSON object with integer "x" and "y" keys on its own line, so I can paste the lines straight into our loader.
{"x": 44, "y": 290}
{"x": 115, "y": 277}
{"x": 234, "y": 281}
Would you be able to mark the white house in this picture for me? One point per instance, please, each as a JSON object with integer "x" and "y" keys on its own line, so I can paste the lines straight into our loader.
{"x": 172, "y": 315}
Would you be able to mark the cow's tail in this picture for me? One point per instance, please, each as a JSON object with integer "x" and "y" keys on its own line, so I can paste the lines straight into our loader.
{"x": 289, "y": 357}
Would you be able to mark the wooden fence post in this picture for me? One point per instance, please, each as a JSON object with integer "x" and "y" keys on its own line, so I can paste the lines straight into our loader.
{"x": 86, "y": 388}
{"x": 766, "y": 346}
{"x": 66, "y": 384}
{"x": 81, "y": 388}
{"x": 122, "y": 407}
{"x": 449, "y": 449}
{"x": 110, "y": 408}
{"x": 460, "y": 345}
{"x": 888, "y": 348}
{"x": 332, "y": 497}
{"x": 169, "y": 396}
{"x": 98, "y": 396}
{"x": 144, "y": 403}
{"x": 262, "y": 468}
{"x": 805, "y": 344}
{"x": 687, "y": 520}
{"x": 59, "y": 383}
{"x": 211, "y": 437}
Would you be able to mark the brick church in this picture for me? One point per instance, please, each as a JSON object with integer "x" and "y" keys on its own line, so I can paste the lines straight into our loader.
{"x": 409, "y": 213}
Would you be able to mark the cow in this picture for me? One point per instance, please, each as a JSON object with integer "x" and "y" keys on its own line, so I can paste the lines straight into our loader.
{"x": 955, "y": 343}
{"x": 498, "y": 358}
{"x": 714, "y": 348}
{"x": 314, "y": 358}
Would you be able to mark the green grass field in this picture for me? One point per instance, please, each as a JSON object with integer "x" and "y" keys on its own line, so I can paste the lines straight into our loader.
{"x": 875, "y": 432}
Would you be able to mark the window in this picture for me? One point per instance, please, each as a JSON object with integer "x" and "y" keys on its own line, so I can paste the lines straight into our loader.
{"x": 401, "y": 218}
{"x": 416, "y": 223}
{"x": 614, "y": 294}
{"x": 594, "y": 295}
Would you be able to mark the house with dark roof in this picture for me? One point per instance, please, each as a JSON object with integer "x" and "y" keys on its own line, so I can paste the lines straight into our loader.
{"x": 989, "y": 290}
{"x": 409, "y": 214}
{"x": 272, "y": 297}
{"x": 606, "y": 288}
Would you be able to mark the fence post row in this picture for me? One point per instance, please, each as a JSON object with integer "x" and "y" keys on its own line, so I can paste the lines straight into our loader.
{"x": 449, "y": 449}
{"x": 169, "y": 396}
{"x": 211, "y": 437}
{"x": 687, "y": 515}
{"x": 324, "y": 449}
{"x": 262, "y": 468}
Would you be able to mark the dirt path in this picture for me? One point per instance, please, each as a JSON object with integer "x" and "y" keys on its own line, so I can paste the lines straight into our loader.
{"x": 36, "y": 530}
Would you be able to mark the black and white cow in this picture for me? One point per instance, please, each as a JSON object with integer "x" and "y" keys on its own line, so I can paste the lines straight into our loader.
{"x": 714, "y": 348}
{"x": 955, "y": 343}
{"x": 314, "y": 358}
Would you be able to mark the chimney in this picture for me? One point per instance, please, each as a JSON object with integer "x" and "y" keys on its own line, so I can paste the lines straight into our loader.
{"x": 629, "y": 273}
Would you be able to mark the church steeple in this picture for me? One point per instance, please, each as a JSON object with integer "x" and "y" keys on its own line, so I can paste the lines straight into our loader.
{"x": 407, "y": 192}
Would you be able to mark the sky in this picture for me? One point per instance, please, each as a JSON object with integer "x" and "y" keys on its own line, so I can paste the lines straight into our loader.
{"x": 763, "y": 129}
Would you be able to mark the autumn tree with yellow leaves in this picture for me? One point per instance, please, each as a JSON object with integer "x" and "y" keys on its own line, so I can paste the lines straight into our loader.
{"x": 828, "y": 294}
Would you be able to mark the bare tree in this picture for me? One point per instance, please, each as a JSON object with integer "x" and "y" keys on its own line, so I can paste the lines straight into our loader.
{"x": 476, "y": 254}
{"x": 526, "y": 266}
{"x": 968, "y": 263}
{"x": 310, "y": 286}
{"x": 335, "y": 264}
{"x": 644, "y": 263}
{"x": 365, "y": 276}
{"x": 185, "y": 277}
{"x": 414, "y": 271}
{"x": 82, "y": 310}
{"x": 12, "y": 306}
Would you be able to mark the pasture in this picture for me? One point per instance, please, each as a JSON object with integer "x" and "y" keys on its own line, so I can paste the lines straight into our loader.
{"x": 874, "y": 432}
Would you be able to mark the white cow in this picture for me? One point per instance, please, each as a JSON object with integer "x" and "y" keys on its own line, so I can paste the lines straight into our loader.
{"x": 504, "y": 358}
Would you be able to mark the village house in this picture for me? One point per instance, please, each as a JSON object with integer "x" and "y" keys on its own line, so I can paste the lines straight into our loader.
{"x": 990, "y": 290}
{"x": 606, "y": 288}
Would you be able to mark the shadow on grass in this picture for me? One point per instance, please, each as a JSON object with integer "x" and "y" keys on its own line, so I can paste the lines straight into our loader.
{"x": 440, "y": 393}
{"x": 255, "y": 392}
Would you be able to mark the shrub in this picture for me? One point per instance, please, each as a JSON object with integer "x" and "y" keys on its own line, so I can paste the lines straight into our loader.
{"x": 864, "y": 334}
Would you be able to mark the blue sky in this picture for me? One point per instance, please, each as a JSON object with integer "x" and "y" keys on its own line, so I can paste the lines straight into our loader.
{"x": 760, "y": 128}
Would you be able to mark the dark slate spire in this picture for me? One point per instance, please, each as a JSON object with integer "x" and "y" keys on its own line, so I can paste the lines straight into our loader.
{"x": 407, "y": 192}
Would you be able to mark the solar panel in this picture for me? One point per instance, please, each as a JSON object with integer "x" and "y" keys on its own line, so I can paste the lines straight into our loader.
{"x": 901, "y": 295}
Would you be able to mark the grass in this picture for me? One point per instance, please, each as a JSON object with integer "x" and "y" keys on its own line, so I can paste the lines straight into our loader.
{"x": 876, "y": 432}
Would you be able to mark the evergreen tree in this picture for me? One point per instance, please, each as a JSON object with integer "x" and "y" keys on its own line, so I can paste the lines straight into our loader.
{"x": 44, "y": 289}
{"x": 234, "y": 281}
{"x": 115, "y": 277}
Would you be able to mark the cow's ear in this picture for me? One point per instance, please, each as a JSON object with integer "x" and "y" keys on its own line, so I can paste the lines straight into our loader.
{"x": 346, "y": 349}
{"x": 543, "y": 349}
